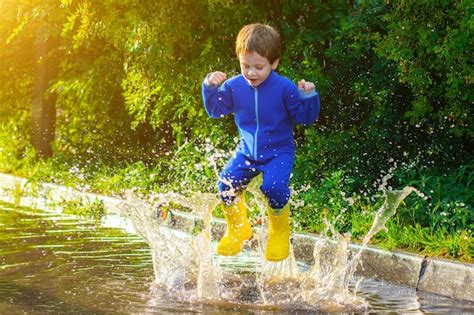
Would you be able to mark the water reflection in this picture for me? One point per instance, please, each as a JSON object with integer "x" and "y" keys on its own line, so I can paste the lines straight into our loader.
{"x": 57, "y": 263}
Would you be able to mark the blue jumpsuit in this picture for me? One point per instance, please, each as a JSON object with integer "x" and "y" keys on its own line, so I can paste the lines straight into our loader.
{"x": 265, "y": 116}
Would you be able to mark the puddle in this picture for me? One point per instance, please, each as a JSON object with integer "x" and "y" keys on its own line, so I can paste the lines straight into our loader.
{"x": 58, "y": 263}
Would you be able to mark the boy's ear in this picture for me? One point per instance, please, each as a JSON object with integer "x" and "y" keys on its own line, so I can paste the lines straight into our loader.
{"x": 275, "y": 64}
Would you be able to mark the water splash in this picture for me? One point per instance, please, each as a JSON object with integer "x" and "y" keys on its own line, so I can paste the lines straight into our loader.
{"x": 392, "y": 199}
{"x": 182, "y": 264}
{"x": 187, "y": 267}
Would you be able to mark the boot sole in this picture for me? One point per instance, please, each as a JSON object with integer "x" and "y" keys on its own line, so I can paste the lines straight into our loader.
{"x": 277, "y": 259}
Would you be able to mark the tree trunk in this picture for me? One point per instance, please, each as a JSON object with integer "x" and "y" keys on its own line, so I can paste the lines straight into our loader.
{"x": 43, "y": 103}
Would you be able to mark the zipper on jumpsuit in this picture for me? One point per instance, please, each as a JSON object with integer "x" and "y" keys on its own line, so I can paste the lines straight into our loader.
{"x": 258, "y": 125}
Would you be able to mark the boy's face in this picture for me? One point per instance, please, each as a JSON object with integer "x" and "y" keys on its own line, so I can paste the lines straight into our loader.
{"x": 255, "y": 68}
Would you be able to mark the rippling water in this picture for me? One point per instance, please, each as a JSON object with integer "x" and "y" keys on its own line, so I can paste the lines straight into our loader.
{"x": 58, "y": 263}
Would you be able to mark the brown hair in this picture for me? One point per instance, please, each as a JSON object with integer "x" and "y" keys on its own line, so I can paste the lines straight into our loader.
{"x": 259, "y": 38}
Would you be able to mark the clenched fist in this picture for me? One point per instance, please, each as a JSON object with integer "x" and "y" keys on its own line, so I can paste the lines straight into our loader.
{"x": 216, "y": 78}
{"x": 307, "y": 87}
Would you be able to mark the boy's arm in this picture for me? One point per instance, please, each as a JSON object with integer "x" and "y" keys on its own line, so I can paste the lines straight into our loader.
{"x": 303, "y": 103}
{"x": 217, "y": 100}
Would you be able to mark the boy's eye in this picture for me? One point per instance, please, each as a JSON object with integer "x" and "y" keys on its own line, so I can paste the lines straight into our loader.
{"x": 259, "y": 68}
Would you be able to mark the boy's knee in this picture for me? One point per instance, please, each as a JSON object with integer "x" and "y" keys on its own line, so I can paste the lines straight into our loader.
{"x": 228, "y": 190}
{"x": 277, "y": 196}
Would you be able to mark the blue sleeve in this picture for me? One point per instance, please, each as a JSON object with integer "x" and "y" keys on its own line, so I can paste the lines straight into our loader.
{"x": 303, "y": 107}
{"x": 217, "y": 100}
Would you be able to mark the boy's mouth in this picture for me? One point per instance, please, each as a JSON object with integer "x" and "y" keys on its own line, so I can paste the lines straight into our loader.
{"x": 252, "y": 82}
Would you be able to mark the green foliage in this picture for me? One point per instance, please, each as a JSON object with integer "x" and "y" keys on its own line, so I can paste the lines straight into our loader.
{"x": 429, "y": 41}
{"x": 90, "y": 210}
{"x": 450, "y": 200}
{"x": 16, "y": 155}
{"x": 395, "y": 79}
{"x": 324, "y": 200}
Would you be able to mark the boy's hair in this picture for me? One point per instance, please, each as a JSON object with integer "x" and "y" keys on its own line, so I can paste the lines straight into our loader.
{"x": 259, "y": 38}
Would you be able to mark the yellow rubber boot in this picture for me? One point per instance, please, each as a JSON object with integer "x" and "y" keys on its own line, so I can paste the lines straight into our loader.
{"x": 278, "y": 244}
{"x": 238, "y": 228}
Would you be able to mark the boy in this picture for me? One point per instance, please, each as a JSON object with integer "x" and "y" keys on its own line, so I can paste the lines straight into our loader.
{"x": 265, "y": 107}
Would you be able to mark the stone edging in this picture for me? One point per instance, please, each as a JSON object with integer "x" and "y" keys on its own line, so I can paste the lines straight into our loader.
{"x": 444, "y": 277}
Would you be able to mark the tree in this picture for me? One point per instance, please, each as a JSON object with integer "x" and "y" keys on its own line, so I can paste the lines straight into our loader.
{"x": 43, "y": 114}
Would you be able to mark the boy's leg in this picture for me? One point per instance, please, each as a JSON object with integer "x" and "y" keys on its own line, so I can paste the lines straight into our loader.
{"x": 235, "y": 177}
{"x": 276, "y": 178}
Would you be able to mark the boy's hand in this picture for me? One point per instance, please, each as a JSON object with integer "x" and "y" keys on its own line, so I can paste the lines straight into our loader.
{"x": 307, "y": 87}
{"x": 216, "y": 78}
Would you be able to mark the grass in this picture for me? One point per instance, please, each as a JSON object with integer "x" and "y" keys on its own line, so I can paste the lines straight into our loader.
{"x": 423, "y": 240}
{"x": 440, "y": 226}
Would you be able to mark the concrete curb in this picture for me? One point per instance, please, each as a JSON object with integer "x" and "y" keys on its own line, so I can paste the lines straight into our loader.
{"x": 444, "y": 277}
